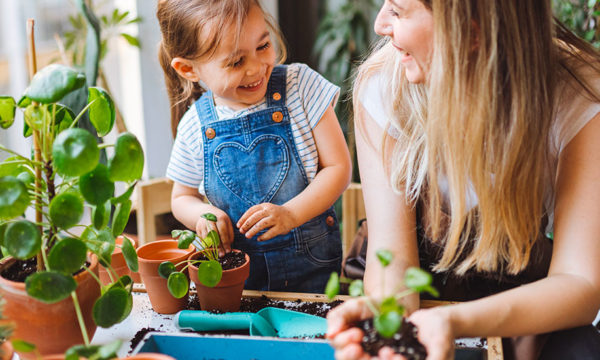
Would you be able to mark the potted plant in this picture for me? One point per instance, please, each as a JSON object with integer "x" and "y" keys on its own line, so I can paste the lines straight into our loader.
{"x": 219, "y": 280}
{"x": 57, "y": 300}
{"x": 388, "y": 326}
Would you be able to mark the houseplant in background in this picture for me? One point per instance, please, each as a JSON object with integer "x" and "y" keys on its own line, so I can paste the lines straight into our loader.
{"x": 581, "y": 16}
{"x": 388, "y": 326}
{"x": 219, "y": 280}
{"x": 50, "y": 266}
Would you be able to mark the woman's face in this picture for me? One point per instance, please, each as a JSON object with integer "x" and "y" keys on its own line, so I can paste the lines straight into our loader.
{"x": 410, "y": 26}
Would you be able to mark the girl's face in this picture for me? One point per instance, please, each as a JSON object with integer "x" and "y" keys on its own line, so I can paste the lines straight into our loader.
{"x": 410, "y": 25}
{"x": 238, "y": 76}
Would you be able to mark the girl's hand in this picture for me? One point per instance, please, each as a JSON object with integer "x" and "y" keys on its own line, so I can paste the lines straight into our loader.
{"x": 278, "y": 219}
{"x": 224, "y": 228}
{"x": 344, "y": 338}
{"x": 435, "y": 332}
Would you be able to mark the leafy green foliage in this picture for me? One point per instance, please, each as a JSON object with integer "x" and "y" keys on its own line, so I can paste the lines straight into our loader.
{"x": 128, "y": 162}
{"x": 210, "y": 273}
{"x": 581, "y": 16}
{"x": 53, "y": 82}
{"x": 49, "y": 286}
{"x": 75, "y": 152}
{"x": 14, "y": 197}
{"x": 178, "y": 284}
{"x": 67, "y": 255}
{"x": 66, "y": 209}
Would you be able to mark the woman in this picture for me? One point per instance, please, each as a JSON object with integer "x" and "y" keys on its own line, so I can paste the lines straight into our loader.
{"x": 492, "y": 142}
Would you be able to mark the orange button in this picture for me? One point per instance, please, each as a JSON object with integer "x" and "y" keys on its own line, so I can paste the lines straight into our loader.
{"x": 277, "y": 116}
{"x": 276, "y": 96}
{"x": 330, "y": 221}
{"x": 210, "y": 133}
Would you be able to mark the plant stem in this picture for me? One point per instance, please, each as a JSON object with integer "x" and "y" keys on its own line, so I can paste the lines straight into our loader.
{"x": 81, "y": 114}
{"x": 371, "y": 306}
{"x": 86, "y": 339}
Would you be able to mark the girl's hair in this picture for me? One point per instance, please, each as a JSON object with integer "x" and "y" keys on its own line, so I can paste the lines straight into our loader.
{"x": 194, "y": 29}
{"x": 482, "y": 119}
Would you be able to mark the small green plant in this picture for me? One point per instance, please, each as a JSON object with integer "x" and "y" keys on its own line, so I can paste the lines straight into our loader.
{"x": 58, "y": 179}
{"x": 388, "y": 313}
{"x": 581, "y": 16}
{"x": 210, "y": 270}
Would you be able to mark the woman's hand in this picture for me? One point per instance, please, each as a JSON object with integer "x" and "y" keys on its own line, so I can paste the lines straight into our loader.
{"x": 344, "y": 338}
{"x": 435, "y": 332}
{"x": 224, "y": 228}
{"x": 278, "y": 219}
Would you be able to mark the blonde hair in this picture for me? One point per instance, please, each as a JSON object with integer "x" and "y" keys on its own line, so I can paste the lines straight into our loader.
{"x": 194, "y": 29}
{"x": 482, "y": 119}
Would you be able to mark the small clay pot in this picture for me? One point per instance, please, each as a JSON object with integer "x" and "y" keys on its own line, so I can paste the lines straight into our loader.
{"x": 117, "y": 262}
{"x": 227, "y": 294}
{"x": 150, "y": 256}
{"x": 7, "y": 350}
{"x": 134, "y": 238}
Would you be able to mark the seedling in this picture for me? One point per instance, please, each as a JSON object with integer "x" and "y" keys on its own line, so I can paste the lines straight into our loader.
{"x": 388, "y": 314}
{"x": 210, "y": 270}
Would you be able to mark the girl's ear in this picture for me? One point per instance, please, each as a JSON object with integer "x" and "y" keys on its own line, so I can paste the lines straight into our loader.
{"x": 185, "y": 68}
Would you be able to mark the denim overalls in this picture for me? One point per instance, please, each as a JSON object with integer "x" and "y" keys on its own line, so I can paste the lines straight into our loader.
{"x": 253, "y": 159}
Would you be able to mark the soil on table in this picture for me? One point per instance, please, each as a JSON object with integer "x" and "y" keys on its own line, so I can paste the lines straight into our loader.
{"x": 404, "y": 342}
{"x": 228, "y": 261}
{"x": 21, "y": 269}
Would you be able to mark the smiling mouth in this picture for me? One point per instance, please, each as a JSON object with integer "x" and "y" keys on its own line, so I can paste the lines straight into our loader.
{"x": 252, "y": 86}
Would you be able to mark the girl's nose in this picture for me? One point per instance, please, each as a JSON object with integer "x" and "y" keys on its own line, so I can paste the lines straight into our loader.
{"x": 382, "y": 25}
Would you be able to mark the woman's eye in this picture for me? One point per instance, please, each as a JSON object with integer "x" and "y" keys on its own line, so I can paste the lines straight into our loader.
{"x": 264, "y": 46}
{"x": 393, "y": 13}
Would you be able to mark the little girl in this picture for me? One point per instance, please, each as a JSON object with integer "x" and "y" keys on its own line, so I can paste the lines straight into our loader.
{"x": 259, "y": 141}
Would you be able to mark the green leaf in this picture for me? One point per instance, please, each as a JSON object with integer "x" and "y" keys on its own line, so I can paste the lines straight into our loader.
{"x": 185, "y": 239}
{"x": 49, "y": 286}
{"x": 112, "y": 307}
{"x": 127, "y": 164}
{"x": 96, "y": 186}
{"x": 209, "y": 217}
{"x": 81, "y": 351}
{"x": 67, "y": 255}
{"x": 178, "y": 284}
{"x": 387, "y": 324}
{"x": 14, "y": 197}
{"x": 121, "y": 217}
{"x": 66, "y": 209}
{"x": 132, "y": 40}
{"x": 129, "y": 254}
{"x": 101, "y": 215}
{"x": 13, "y": 166}
{"x": 210, "y": 273}
{"x": 384, "y": 256}
{"x": 22, "y": 345}
{"x": 63, "y": 117}
{"x": 356, "y": 288}
{"x": 124, "y": 196}
{"x": 124, "y": 282}
{"x": 333, "y": 286}
{"x": 22, "y": 239}
{"x": 27, "y": 178}
{"x": 212, "y": 239}
{"x": 8, "y": 108}
{"x": 419, "y": 280}
{"x": 165, "y": 269}
{"x": 36, "y": 116}
{"x": 102, "y": 244}
{"x": 102, "y": 110}
{"x": 24, "y": 102}
{"x": 53, "y": 82}
{"x": 75, "y": 152}
{"x": 390, "y": 304}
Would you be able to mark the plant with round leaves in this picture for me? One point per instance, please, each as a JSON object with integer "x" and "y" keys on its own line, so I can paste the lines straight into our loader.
{"x": 63, "y": 178}
{"x": 210, "y": 270}
{"x": 387, "y": 313}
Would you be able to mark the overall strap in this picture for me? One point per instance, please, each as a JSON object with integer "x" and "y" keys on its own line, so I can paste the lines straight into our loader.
{"x": 277, "y": 86}
{"x": 205, "y": 107}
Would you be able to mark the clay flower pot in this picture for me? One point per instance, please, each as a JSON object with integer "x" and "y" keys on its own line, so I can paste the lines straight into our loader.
{"x": 7, "y": 350}
{"x": 150, "y": 256}
{"x": 53, "y": 328}
{"x": 227, "y": 295}
{"x": 150, "y": 356}
{"x": 118, "y": 262}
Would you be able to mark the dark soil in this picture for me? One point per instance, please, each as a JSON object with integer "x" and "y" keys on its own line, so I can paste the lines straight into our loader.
{"x": 139, "y": 336}
{"x": 228, "y": 261}
{"x": 403, "y": 342}
{"x": 21, "y": 269}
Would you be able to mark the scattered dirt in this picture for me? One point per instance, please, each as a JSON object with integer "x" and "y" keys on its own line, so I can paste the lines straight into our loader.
{"x": 229, "y": 261}
{"x": 139, "y": 336}
{"x": 21, "y": 269}
{"x": 403, "y": 342}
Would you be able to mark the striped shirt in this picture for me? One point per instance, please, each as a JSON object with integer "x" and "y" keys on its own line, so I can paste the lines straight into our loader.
{"x": 308, "y": 96}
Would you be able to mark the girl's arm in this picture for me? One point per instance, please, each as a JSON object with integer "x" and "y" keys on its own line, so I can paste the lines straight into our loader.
{"x": 188, "y": 206}
{"x": 335, "y": 170}
{"x": 570, "y": 295}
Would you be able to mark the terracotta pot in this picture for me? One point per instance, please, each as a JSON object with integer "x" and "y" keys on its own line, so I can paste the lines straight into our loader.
{"x": 150, "y": 356}
{"x": 118, "y": 262}
{"x": 7, "y": 350}
{"x": 136, "y": 275}
{"x": 150, "y": 256}
{"x": 53, "y": 328}
{"x": 227, "y": 295}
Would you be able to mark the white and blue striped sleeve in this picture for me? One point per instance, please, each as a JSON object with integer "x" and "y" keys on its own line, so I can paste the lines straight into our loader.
{"x": 186, "y": 164}
{"x": 316, "y": 93}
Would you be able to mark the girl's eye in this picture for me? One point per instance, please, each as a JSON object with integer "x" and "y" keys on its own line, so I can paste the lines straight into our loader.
{"x": 237, "y": 63}
{"x": 393, "y": 13}
{"x": 264, "y": 46}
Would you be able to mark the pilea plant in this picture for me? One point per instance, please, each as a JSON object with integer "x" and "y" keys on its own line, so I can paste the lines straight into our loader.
{"x": 388, "y": 313}
{"x": 59, "y": 179}
{"x": 210, "y": 270}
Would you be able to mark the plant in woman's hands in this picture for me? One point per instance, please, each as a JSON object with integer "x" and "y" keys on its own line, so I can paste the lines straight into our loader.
{"x": 388, "y": 313}
{"x": 210, "y": 270}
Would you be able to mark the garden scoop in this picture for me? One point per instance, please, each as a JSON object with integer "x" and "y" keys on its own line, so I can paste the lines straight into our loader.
{"x": 269, "y": 321}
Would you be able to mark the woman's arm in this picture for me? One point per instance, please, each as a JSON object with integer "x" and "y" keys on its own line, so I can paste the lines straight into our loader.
{"x": 335, "y": 170}
{"x": 570, "y": 295}
{"x": 188, "y": 206}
